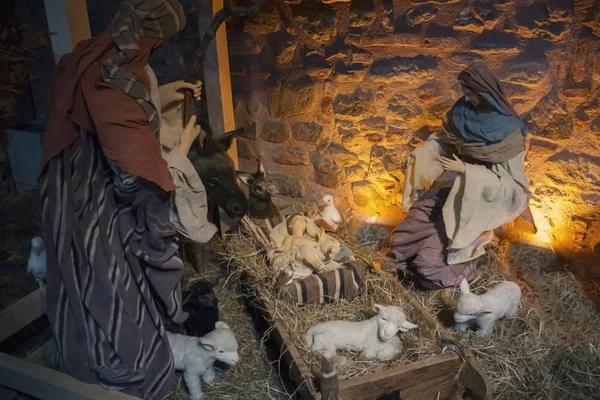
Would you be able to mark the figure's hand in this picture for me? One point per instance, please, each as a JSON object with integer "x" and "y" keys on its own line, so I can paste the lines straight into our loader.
{"x": 455, "y": 165}
{"x": 189, "y": 134}
{"x": 194, "y": 87}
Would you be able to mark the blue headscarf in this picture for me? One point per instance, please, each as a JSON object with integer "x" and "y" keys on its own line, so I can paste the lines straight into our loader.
{"x": 491, "y": 126}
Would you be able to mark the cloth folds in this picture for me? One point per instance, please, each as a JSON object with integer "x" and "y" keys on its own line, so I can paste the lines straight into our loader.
{"x": 109, "y": 69}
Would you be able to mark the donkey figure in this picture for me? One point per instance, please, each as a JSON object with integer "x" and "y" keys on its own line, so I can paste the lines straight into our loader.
{"x": 260, "y": 189}
{"x": 216, "y": 170}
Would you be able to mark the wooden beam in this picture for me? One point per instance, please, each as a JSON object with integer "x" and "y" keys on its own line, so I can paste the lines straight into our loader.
{"x": 45, "y": 383}
{"x": 217, "y": 84}
{"x": 428, "y": 379}
{"x": 68, "y": 21}
{"x": 21, "y": 313}
{"x": 44, "y": 355}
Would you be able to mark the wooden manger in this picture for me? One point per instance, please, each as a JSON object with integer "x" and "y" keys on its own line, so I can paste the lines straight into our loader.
{"x": 434, "y": 377}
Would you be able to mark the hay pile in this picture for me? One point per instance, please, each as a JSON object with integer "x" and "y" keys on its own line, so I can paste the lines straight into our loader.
{"x": 552, "y": 349}
{"x": 382, "y": 289}
{"x": 253, "y": 378}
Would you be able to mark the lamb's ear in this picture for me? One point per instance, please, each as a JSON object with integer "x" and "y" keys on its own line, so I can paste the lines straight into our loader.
{"x": 378, "y": 308}
{"x": 220, "y": 324}
{"x": 485, "y": 312}
{"x": 245, "y": 177}
{"x": 207, "y": 345}
{"x": 407, "y": 326}
{"x": 464, "y": 286}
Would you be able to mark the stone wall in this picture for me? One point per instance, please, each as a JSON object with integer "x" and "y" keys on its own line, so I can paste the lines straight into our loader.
{"x": 335, "y": 95}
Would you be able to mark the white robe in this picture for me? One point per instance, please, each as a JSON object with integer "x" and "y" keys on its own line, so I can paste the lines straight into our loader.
{"x": 481, "y": 199}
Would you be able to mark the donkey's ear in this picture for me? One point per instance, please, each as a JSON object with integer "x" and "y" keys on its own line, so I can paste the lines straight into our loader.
{"x": 227, "y": 137}
{"x": 245, "y": 177}
{"x": 260, "y": 171}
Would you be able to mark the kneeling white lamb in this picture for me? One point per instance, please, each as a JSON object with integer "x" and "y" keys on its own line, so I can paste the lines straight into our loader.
{"x": 375, "y": 338}
{"x": 196, "y": 356}
{"x": 501, "y": 301}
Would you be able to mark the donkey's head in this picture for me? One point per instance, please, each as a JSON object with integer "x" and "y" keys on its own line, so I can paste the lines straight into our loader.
{"x": 258, "y": 184}
{"x": 217, "y": 172}
{"x": 260, "y": 190}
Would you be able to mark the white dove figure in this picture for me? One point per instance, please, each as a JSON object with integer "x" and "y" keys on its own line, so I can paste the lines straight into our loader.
{"x": 330, "y": 213}
{"x": 372, "y": 219}
{"x": 37, "y": 262}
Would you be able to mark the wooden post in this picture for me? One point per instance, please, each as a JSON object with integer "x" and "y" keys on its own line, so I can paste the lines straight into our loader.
{"x": 217, "y": 83}
{"x": 68, "y": 21}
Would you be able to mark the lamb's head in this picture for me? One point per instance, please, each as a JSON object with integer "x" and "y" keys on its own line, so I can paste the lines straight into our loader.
{"x": 37, "y": 245}
{"x": 390, "y": 320}
{"x": 328, "y": 200}
{"x": 221, "y": 344}
{"x": 469, "y": 305}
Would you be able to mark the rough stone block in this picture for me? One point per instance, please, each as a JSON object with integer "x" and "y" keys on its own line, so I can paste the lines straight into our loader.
{"x": 275, "y": 131}
{"x": 326, "y": 180}
{"x": 538, "y": 20}
{"x": 355, "y": 173}
{"x": 550, "y": 119}
{"x": 495, "y": 41}
{"x": 291, "y": 156}
{"x": 402, "y": 107}
{"x": 372, "y": 124}
{"x": 287, "y": 101}
{"x": 307, "y": 131}
{"x": 420, "y": 15}
{"x": 288, "y": 185}
{"x": 477, "y": 17}
{"x": 286, "y": 55}
{"x": 359, "y": 57}
{"x": 404, "y": 69}
{"x": 528, "y": 73}
{"x": 354, "y": 104}
{"x": 341, "y": 156}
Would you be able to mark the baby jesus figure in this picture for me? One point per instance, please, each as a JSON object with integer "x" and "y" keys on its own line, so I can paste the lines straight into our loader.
{"x": 305, "y": 245}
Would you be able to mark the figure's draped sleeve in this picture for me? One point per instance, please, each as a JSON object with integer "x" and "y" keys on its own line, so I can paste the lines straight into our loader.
{"x": 189, "y": 211}
{"x": 483, "y": 199}
{"x": 423, "y": 168}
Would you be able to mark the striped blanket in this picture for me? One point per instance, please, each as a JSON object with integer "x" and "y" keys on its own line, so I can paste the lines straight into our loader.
{"x": 325, "y": 287}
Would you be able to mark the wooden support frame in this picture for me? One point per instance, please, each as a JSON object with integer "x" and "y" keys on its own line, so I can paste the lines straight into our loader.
{"x": 21, "y": 313}
{"x": 68, "y": 19}
{"x": 27, "y": 375}
{"x": 217, "y": 84}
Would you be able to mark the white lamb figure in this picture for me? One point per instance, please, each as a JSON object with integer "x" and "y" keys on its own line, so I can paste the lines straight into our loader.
{"x": 196, "y": 356}
{"x": 501, "y": 301}
{"x": 36, "y": 265}
{"x": 330, "y": 213}
{"x": 375, "y": 338}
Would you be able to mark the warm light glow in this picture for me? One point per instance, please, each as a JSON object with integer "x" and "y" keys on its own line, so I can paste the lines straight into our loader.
{"x": 551, "y": 219}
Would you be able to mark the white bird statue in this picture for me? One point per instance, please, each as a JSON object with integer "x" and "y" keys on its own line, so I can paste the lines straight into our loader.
{"x": 330, "y": 213}
{"x": 372, "y": 220}
{"x": 37, "y": 262}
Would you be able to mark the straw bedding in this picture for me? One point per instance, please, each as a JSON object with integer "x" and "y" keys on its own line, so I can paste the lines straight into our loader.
{"x": 552, "y": 349}
{"x": 253, "y": 378}
{"x": 242, "y": 250}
